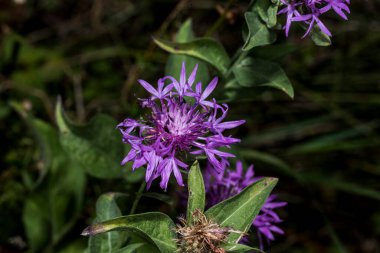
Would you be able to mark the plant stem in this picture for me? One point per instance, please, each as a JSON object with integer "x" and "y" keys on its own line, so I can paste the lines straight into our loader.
{"x": 138, "y": 196}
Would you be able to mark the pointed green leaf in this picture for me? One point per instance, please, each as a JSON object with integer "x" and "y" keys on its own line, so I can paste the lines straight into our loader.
{"x": 96, "y": 146}
{"x": 205, "y": 49}
{"x": 255, "y": 72}
{"x": 158, "y": 228}
{"x": 174, "y": 63}
{"x": 239, "y": 248}
{"x": 239, "y": 211}
{"x": 259, "y": 34}
{"x": 196, "y": 189}
{"x": 106, "y": 209}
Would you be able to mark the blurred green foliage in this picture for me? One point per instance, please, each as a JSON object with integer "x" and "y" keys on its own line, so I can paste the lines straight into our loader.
{"x": 323, "y": 144}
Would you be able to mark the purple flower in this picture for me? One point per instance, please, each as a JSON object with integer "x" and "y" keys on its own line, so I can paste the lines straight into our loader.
{"x": 220, "y": 186}
{"x": 309, "y": 12}
{"x": 182, "y": 124}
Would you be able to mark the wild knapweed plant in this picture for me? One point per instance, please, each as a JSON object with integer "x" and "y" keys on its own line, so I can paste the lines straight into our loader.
{"x": 185, "y": 126}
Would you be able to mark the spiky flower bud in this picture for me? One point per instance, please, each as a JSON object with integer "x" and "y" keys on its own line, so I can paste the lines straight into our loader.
{"x": 202, "y": 235}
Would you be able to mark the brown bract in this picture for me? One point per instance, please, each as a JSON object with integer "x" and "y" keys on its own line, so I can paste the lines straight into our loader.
{"x": 202, "y": 236}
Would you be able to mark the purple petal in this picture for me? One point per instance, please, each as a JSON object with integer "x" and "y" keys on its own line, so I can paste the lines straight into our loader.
{"x": 182, "y": 79}
{"x": 191, "y": 78}
{"x": 148, "y": 87}
{"x": 209, "y": 88}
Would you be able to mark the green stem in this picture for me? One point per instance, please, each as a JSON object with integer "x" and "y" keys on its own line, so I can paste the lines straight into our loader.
{"x": 241, "y": 55}
{"x": 138, "y": 196}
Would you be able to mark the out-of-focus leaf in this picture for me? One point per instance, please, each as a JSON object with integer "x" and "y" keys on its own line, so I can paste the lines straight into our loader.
{"x": 40, "y": 65}
{"x": 174, "y": 63}
{"x": 4, "y": 110}
{"x": 106, "y": 209}
{"x": 337, "y": 141}
{"x": 278, "y": 164}
{"x": 57, "y": 201}
{"x": 320, "y": 38}
{"x": 96, "y": 146}
{"x": 295, "y": 130}
{"x": 196, "y": 188}
{"x": 205, "y": 49}
{"x": 158, "y": 228}
{"x": 240, "y": 210}
{"x": 340, "y": 184}
{"x": 259, "y": 34}
{"x": 159, "y": 196}
{"x": 78, "y": 246}
{"x": 36, "y": 221}
{"x": 239, "y": 248}
{"x": 255, "y": 72}
{"x": 131, "y": 176}
{"x": 48, "y": 144}
{"x": 338, "y": 245}
{"x": 66, "y": 192}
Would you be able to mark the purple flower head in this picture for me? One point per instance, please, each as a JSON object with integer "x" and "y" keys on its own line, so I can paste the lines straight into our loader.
{"x": 182, "y": 123}
{"x": 225, "y": 185}
{"x": 309, "y": 12}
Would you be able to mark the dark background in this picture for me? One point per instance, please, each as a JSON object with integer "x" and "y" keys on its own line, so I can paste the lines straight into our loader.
{"x": 324, "y": 145}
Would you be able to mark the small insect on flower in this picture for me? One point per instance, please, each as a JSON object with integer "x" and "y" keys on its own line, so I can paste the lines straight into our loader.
{"x": 182, "y": 124}
{"x": 202, "y": 236}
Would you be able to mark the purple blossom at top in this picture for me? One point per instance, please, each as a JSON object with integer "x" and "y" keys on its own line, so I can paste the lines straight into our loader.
{"x": 225, "y": 185}
{"x": 182, "y": 124}
{"x": 310, "y": 11}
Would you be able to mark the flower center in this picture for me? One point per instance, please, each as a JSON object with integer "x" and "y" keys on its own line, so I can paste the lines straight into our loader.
{"x": 177, "y": 124}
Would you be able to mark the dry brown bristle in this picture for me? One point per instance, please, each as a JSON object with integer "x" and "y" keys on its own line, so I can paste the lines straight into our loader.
{"x": 202, "y": 236}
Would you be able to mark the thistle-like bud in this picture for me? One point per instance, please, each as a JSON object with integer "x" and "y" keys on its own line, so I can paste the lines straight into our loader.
{"x": 202, "y": 235}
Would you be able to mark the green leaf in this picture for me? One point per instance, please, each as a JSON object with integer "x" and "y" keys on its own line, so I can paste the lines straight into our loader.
{"x": 239, "y": 211}
{"x": 156, "y": 227}
{"x": 239, "y": 248}
{"x": 96, "y": 146}
{"x": 131, "y": 248}
{"x": 259, "y": 34}
{"x": 330, "y": 181}
{"x": 196, "y": 187}
{"x": 106, "y": 209}
{"x": 205, "y": 49}
{"x": 46, "y": 138}
{"x": 56, "y": 202}
{"x": 36, "y": 222}
{"x": 341, "y": 140}
{"x": 319, "y": 38}
{"x": 267, "y": 11}
{"x": 255, "y": 72}
{"x": 174, "y": 63}
{"x": 76, "y": 246}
